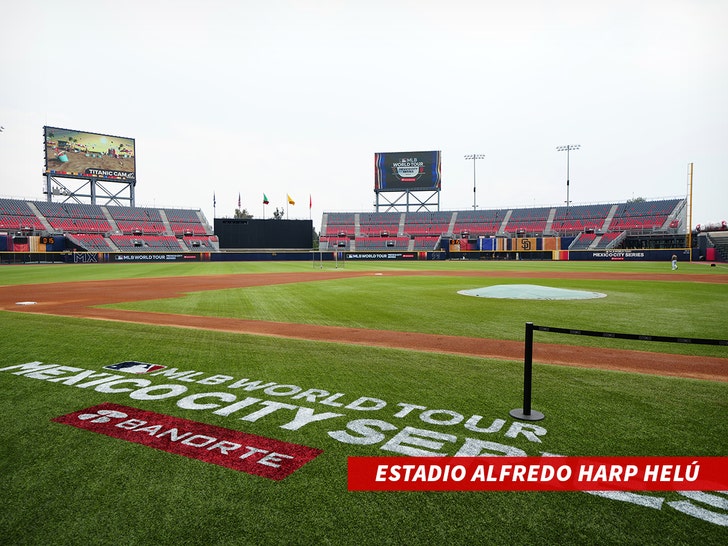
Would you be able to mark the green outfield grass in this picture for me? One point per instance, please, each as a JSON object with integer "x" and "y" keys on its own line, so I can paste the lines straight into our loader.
{"x": 64, "y": 485}
{"x": 432, "y": 305}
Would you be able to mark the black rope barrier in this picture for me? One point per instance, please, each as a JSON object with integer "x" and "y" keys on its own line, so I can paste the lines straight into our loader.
{"x": 526, "y": 413}
{"x": 638, "y": 337}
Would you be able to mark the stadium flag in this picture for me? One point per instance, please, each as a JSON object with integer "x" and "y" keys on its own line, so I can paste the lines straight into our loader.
{"x": 290, "y": 200}
{"x": 214, "y": 199}
{"x": 265, "y": 199}
{"x": 310, "y": 201}
{"x": 239, "y": 205}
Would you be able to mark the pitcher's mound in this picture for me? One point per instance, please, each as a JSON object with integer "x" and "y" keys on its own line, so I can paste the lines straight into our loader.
{"x": 530, "y": 292}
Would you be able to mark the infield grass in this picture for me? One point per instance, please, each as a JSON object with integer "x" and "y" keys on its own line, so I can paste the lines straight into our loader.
{"x": 431, "y": 304}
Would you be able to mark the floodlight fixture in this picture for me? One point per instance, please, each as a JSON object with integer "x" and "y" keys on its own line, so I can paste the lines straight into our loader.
{"x": 473, "y": 157}
{"x": 568, "y": 148}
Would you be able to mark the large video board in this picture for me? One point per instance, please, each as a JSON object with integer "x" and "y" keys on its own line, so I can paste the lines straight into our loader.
{"x": 401, "y": 171}
{"x": 78, "y": 154}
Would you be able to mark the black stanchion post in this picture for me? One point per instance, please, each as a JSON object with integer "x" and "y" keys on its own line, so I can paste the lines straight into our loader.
{"x": 525, "y": 413}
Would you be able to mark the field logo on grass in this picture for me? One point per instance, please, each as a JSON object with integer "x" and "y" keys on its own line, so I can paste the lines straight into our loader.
{"x": 233, "y": 449}
{"x": 355, "y": 420}
{"x": 132, "y": 366}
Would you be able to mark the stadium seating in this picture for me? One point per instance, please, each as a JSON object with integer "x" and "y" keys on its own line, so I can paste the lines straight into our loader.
{"x": 426, "y": 243}
{"x": 471, "y": 224}
{"x": 185, "y": 222}
{"x": 528, "y": 220}
{"x": 95, "y": 228}
{"x": 578, "y": 218}
{"x": 427, "y": 223}
{"x": 131, "y": 243}
{"x": 479, "y": 223}
{"x": 339, "y": 224}
{"x": 92, "y": 242}
{"x": 334, "y": 243}
{"x": 139, "y": 229}
{"x": 382, "y": 243}
{"x": 608, "y": 240}
{"x": 374, "y": 224}
{"x": 583, "y": 241}
{"x": 18, "y": 216}
{"x": 134, "y": 227}
{"x": 719, "y": 240}
{"x": 20, "y": 223}
{"x": 642, "y": 215}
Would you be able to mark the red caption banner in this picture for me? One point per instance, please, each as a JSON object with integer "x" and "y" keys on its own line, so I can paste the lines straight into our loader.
{"x": 538, "y": 473}
{"x": 240, "y": 451}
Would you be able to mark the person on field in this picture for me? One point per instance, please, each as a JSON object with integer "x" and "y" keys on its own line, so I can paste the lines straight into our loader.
{"x": 674, "y": 262}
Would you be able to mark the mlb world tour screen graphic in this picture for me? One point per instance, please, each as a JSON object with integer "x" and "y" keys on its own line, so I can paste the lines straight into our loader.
{"x": 402, "y": 171}
{"x": 78, "y": 154}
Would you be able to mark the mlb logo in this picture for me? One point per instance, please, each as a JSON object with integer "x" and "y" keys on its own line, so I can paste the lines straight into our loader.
{"x": 133, "y": 366}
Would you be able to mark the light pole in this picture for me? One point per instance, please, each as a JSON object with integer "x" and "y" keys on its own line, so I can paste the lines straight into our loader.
{"x": 567, "y": 149}
{"x": 474, "y": 157}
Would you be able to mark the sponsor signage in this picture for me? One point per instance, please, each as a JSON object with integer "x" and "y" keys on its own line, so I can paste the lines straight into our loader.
{"x": 234, "y": 449}
{"x": 154, "y": 257}
{"x": 628, "y": 255}
{"x": 381, "y": 256}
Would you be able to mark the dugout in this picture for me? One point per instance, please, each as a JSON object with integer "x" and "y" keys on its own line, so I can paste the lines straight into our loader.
{"x": 247, "y": 233}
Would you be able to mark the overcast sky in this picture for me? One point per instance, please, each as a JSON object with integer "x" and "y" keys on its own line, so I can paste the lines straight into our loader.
{"x": 282, "y": 97}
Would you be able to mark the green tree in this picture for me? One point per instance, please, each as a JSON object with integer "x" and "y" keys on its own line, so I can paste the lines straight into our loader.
{"x": 242, "y": 214}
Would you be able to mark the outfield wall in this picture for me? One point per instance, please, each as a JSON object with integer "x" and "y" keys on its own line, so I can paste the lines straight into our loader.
{"x": 640, "y": 255}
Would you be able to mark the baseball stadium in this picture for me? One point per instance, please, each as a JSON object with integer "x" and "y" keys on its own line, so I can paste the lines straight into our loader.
{"x": 168, "y": 380}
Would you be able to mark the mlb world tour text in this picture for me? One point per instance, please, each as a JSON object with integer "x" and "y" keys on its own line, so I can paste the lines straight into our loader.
{"x": 443, "y": 433}
{"x": 409, "y": 441}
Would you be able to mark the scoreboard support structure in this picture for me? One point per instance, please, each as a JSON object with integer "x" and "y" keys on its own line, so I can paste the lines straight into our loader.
{"x": 407, "y": 201}
{"x": 88, "y": 192}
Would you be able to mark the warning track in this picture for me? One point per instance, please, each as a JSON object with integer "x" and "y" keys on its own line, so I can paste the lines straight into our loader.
{"x": 78, "y": 299}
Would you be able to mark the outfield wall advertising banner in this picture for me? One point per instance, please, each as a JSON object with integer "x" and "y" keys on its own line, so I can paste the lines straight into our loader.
{"x": 78, "y": 154}
{"x": 629, "y": 255}
{"x": 401, "y": 171}
{"x": 381, "y": 256}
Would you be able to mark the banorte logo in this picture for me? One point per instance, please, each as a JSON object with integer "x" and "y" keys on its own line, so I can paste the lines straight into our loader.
{"x": 103, "y": 416}
{"x": 233, "y": 449}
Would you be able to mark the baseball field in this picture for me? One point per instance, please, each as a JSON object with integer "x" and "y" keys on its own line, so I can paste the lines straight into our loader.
{"x": 167, "y": 403}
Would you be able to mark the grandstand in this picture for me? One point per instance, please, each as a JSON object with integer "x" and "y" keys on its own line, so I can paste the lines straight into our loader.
{"x": 96, "y": 228}
{"x": 582, "y": 227}
{"x": 118, "y": 229}
{"x": 719, "y": 242}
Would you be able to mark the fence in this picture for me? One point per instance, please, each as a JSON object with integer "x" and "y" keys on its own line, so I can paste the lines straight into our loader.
{"x": 526, "y": 413}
